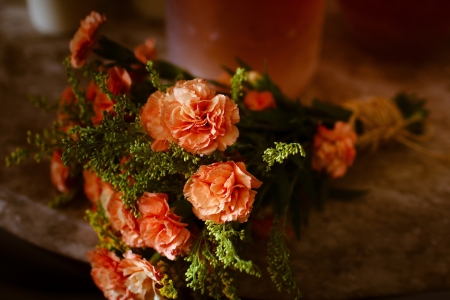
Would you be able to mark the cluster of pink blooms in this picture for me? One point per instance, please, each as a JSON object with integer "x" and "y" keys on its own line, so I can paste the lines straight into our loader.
{"x": 192, "y": 115}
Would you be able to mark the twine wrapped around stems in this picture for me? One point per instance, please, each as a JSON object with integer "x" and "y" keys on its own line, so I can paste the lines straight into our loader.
{"x": 383, "y": 122}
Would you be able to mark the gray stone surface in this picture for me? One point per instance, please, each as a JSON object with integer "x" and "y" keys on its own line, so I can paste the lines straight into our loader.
{"x": 394, "y": 240}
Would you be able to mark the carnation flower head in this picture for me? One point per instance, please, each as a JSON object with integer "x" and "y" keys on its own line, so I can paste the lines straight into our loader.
{"x": 92, "y": 185}
{"x": 60, "y": 173}
{"x": 140, "y": 276}
{"x": 161, "y": 229}
{"x": 255, "y": 100}
{"x": 146, "y": 51}
{"x": 84, "y": 39}
{"x": 119, "y": 81}
{"x": 106, "y": 274}
{"x": 123, "y": 221}
{"x": 222, "y": 192}
{"x": 100, "y": 102}
{"x": 334, "y": 149}
{"x": 151, "y": 120}
{"x": 192, "y": 115}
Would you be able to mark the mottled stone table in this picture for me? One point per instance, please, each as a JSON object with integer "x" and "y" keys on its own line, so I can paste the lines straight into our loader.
{"x": 392, "y": 241}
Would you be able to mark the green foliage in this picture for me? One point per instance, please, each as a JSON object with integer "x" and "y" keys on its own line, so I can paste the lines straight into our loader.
{"x": 278, "y": 259}
{"x": 330, "y": 112}
{"x": 281, "y": 152}
{"x": 155, "y": 77}
{"x": 18, "y": 156}
{"x": 108, "y": 238}
{"x": 111, "y": 50}
{"x": 413, "y": 110}
{"x": 62, "y": 199}
{"x": 236, "y": 84}
{"x": 81, "y": 108}
{"x": 170, "y": 71}
{"x": 43, "y": 103}
{"x": 223, "y": 236}
{"x": 168, "y": 290}
{"x": 214, "y": 260}
{"x": 41, "y": 146}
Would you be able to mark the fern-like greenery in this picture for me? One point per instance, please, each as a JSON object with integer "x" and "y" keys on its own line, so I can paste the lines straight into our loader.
{"x": 281, "y": 152}
{"x": 214, "y": 261}
{"x": 278, "y": 259}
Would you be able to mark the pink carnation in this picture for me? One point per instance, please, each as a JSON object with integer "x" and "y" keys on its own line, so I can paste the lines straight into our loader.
{"x": 160, "y": 228}
{"x": 255, "y": 100}
{"x": 140, "y": 276}
{"x": 193, "y": 116}
{"x": 84, "y": 39}
{"x": 334, "y": 149}
{"x": 222, "y": 192}
{"x": 106, "y": 275}
{"x": 146, "y": 51}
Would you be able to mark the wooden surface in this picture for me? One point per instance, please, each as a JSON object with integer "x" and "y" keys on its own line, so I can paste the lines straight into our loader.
{"x": 393, "y": 241}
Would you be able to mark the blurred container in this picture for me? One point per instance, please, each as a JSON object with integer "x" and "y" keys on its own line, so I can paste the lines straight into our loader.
{"x": 59, "y": 17}
{"x": 203, "y": 35}
{"x": 150, "y": 9}
{"x": 398, "y": 28}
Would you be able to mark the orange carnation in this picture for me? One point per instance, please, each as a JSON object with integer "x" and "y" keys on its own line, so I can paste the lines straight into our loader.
{"x": 146, "y": 51}
{"x": 95, "y": 188}
{"x": 119, "y": 81}
{"x": 123, "y": 221}
{"x": 59, "y": 173}
{"x": 106, "y": 274}
{"x": 222, "y": 192}
{"x": 140, "y": 276}
{"x": 334, "y": 149}
{"x": 68, "y": 98}
{"x": 160, "y": 228}
{"x": 84, "y": 39}
{"x": 101, "y": 102}
{"x": 193, "y": 116}
{"x": 255, "y": 100}
{"x": 92, "y": 185}
{"x": 151, "y": 120}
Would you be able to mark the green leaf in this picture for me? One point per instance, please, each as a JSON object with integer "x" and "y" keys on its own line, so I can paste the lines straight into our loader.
{"x": 114, "y": 51}
{"x": 168, "y": 70}
{"x": 333, "y": 111}
{"x": 283, "y": 185}
{"x": 281, "y": 152}
{"x": 278, "y": 253}
{"x": 294, "y": 204}
{"x": 236, "y": 84}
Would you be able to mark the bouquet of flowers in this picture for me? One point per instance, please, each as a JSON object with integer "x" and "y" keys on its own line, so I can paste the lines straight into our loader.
{"x": 182, "y": 172}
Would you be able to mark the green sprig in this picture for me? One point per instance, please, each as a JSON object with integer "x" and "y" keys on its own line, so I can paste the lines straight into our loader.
{"x": 278, "y": 259}
{"x": 214, "y": 261}
{"x": 240, "y": 76}
{"x": 100, "y": 223}
{"x": 281, "y": 152}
